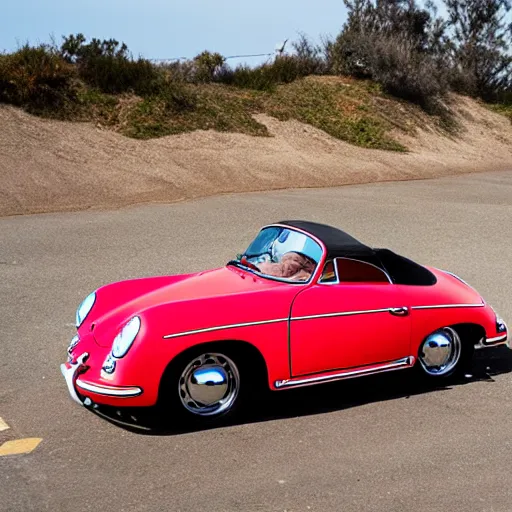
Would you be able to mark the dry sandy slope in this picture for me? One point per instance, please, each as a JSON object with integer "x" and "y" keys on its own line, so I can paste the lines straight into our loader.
{"x": 54, "y": 166}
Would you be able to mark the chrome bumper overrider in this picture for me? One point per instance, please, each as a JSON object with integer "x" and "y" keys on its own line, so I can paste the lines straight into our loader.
{"x": 493, "y": 342}
{"x": 73, "y": 382}
{"x": 70, "y": 375}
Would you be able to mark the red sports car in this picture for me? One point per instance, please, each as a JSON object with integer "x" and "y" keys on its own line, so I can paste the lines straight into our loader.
{"x": 305, "y": 304}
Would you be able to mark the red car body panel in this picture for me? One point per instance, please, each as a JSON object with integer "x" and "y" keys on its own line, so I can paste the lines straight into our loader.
{"x": 279, "y": 319}
{"x": 329, "y": 343}
{"x": 216, "y": 298}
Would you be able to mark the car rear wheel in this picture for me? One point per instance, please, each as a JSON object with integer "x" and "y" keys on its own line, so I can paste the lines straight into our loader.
{"x": 442, "y": 354}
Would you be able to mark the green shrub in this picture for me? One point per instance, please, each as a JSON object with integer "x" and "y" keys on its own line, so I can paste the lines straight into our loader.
{"x": 246, "y": 77}
{"x": 114, "y": 75}
{"x": 265, "y": 77}
{"x": 107, "y": 66}
{"x": 311, "y": 59}
{"x": 37, "y": 78}
{"x": 401, "y": 45}
{"x": 206, "y": 66}
{"x": 394, "y": 62}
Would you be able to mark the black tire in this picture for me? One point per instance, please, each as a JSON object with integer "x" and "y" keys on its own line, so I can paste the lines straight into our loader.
{"x": 177, "y": 387}
{"x": 458, "y": 362}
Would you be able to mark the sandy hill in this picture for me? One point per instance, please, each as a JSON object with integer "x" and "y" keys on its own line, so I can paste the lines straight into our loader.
{"x": 54, "y": 166}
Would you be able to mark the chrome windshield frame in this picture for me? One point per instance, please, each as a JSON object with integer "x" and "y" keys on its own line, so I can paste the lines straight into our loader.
{"x": 319, "y": 266}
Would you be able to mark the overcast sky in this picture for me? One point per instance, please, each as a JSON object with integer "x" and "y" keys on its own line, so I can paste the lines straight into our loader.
{"x": 172, "y": 28}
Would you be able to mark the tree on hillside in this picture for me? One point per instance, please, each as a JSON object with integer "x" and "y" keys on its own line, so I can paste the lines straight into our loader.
{"x": 75, "y": 49}
{"x": 397, "y": 43}
{"x": 403, "y": 18}
{"x": 482, "y": 37}
{"x": 108, "y": 66}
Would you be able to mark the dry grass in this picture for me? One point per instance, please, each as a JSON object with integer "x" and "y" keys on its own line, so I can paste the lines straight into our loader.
{"x": 344, "y": 109}
{"x": 215, "y": 107}
{"x": 351, "y": 110}
{"x": 506, "y": 110}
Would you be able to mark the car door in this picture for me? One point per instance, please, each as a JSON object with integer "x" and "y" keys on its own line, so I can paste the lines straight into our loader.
{"x": 354, "y": 316}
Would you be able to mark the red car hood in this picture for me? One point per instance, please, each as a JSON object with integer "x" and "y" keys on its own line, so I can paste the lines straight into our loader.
{"x": 116, "y": 303}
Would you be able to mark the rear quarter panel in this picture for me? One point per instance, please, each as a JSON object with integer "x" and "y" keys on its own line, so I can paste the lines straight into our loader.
{"x": 448, "y": 302}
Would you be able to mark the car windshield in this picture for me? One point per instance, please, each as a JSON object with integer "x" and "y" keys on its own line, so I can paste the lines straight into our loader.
{"x": 283, "y": 253}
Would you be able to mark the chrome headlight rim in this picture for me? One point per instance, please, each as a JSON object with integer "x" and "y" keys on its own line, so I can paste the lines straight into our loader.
{"x": 501, "y": 325}
{"x": 109, "y": 365}
{"x": 84, "y": 309}
{"x": 124, "y": 340}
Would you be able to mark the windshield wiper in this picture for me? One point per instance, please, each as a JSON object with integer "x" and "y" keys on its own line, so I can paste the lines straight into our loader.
{"x": 235, "y": 263}
{"x": 238, "y": 263}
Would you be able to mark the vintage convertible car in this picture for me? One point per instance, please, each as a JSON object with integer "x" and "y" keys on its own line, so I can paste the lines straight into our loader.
{"x": 305, "y": 304}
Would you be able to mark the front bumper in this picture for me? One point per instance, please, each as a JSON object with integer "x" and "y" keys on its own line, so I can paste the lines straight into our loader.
{"x": 495, "y": 341}
{"x": 82, "y": 376}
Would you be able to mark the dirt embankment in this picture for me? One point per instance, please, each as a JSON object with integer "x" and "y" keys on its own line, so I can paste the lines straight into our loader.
{"x": 54, "y": 166}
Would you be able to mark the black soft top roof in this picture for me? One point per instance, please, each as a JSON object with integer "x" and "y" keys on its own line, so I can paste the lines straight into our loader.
{"x": 342, "y": 245}
{"x": 337, "y": 242}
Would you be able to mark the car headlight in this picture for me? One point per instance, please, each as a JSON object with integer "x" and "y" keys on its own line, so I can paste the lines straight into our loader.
{"x": 501, "y": 326}
{"x": 109, "y": 365}
{"x": 85, "y": 308}
{"x": 123, "y": 341}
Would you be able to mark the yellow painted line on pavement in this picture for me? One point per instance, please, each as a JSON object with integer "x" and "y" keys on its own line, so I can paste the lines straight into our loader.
{"x": 3, "y": 425}
{"x": 19, "y": 446}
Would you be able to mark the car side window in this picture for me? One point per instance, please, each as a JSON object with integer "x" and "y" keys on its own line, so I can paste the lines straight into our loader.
{"x": 354, "y": 271}
{"x": 328, "y": 273}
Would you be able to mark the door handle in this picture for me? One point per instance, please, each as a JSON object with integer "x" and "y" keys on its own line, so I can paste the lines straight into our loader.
{"x": 403, "y": 311}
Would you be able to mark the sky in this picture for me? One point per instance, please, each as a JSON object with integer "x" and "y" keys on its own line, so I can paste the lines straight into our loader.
{"x": 163, "y": 29}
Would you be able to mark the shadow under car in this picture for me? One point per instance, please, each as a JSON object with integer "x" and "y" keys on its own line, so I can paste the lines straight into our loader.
{"x": 322, "y": 398}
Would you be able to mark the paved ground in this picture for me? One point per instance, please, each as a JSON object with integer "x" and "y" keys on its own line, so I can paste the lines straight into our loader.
{"x": 376, "y": 445}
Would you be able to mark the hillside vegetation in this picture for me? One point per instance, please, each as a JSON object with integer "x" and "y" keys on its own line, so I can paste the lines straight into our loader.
{"x": 399, "y": 94}
{"x": 392, "y": 63}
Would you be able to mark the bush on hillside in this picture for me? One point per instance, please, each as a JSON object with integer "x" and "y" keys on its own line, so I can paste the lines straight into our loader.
{"x": 312, "y": 59}
{"x": 283, "y": 70}
{"x": 397, "y": 44}
{"x": 392, "y": 62}
{"x": 107, "y": 66}
{"x": 37, "y": 78}
{"x": 206, "y": 66}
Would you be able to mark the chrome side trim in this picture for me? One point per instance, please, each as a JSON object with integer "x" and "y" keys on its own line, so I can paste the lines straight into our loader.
{"x": 125, "y": 392}
{"x": 456, "y": 277}
{"x": 442, "y": 306}
{"x": 278, "y": 320}
{"x": 347, "y": 313}
{"x": 400, "y": 364}
{"x": 223, "y": 327}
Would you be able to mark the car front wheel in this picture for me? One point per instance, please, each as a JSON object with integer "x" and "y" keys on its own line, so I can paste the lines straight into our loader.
{"x": 201, "y": 388}
{"x": 209, "y": 385}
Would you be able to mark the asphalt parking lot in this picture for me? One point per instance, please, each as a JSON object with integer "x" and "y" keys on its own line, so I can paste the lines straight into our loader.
{"x": 379, "y": 444}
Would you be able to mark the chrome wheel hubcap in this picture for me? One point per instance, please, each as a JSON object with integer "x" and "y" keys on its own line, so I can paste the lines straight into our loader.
{"x": 440, "y": 352}
{"x": 209, "y": 384}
